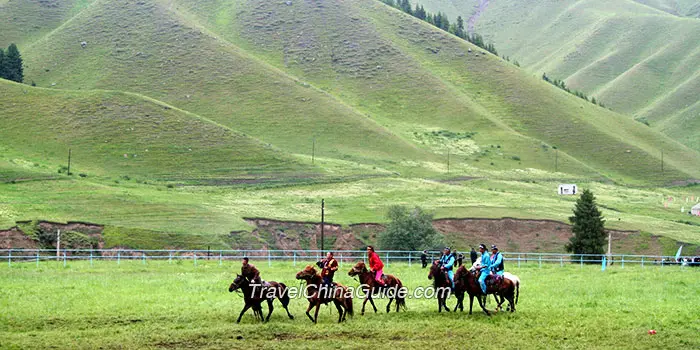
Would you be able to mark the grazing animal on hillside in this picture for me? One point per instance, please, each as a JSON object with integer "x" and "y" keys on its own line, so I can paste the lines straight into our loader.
{"x": 255, "y": 294}
{"x": 393, "y": 288}
{"x": 319, "y": 293}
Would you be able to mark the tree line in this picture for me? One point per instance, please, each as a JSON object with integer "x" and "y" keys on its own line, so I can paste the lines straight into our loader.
{"x": 11, "y": 64}
{"x": 441, "y": 21}
{"x": 562, "y": 85}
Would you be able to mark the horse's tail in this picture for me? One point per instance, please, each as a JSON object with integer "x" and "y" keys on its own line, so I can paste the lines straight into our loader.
{"x": 348, "y": 304}
{"x": 517, "y": 292}
{"x": 284, "y": 294}
{"x": 400, "y": 298}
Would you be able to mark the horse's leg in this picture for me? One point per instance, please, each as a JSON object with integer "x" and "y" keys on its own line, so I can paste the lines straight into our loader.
{"x": 364, "y": 302}
{"x": 245, "y": 308}
{"x": 318, "y": 306}
{"x": 371, "y": 301}
{"x": 388, "y": 306}
{"x": 482, "y": 303}
{"x": 444, "y": 303}
{"x": 471, "y": 303}
{"x": 285, "y": 305}
{"x": 270, "y": 307}
{"x": 341, "y": 311}
{"x": 311, "y": 304}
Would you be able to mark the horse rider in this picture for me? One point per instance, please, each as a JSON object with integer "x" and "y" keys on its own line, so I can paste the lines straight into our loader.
{"x": 472, "y": 256}
{"x": 447, "y": 262}
{"x": 250, "y": 272}
{"x": 496, "y": 261}
{"x": 376, "y": 266}
{"x": 485, "y": 267}
{"x": 329, "y": 267}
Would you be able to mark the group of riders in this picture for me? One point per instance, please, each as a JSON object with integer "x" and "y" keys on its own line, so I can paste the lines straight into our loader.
{"x": 488, "y": 263}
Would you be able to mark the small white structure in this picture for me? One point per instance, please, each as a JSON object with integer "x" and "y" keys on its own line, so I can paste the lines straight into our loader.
{"x": 568, "y": 189}
{"x": 695, "y": 210}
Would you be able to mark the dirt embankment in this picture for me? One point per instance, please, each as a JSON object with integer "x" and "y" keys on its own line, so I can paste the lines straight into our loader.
{"x": 15, "y": 237}
{"x": 509, "y": 234}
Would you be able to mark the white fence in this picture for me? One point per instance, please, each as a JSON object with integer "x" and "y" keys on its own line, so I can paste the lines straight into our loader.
{"x": 305, "y": 256}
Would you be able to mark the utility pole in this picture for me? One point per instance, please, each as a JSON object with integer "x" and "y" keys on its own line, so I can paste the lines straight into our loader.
{"x": 448, "y": 160}
{"x": 556, "y": 160}
{"x": 313, "y": 150}
{"x": 69, "y": 154}
{"x": 58, "y": 245}
{"x": 323, "y": 221}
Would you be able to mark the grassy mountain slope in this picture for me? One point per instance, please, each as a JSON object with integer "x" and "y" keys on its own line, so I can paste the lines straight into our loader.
{"x": 24, "y": 21}
{"x": 683, "y": 8}
{"x": 409, "y": 76}
{"x": 146, "y": 47}
{"x": 637, "y": 59}
{"x": 118, "y": 134}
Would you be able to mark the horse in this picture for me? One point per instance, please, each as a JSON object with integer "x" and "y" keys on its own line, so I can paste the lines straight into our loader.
{"x": 393, "y": 287}
{"x": 516, "y": 281}
{"x": 465, "y": 281}
{"x": 254, "y": 295}
{"x": 442, "y": 285}
{"x": 317, "y": 293}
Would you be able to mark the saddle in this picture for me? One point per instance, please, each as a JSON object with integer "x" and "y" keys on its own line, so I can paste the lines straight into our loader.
{"x": 494, "y": 281}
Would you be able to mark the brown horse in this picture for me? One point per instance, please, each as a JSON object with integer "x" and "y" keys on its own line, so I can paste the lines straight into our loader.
{"x": 317, "y": 293}
{"x": 394, "y": 289}
{"x": 255, "y": 294}
{"x": 504, "y": 288}
{"x": 465, "y": 281}
{"x": 442, "y": 285}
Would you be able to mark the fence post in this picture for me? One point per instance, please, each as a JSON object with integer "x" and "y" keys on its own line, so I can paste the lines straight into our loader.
{"x": 518, "y": 260}
{"x": 64, "y": 258}
{"x": 9, "y": 258}
{"x": 409, "y": 259}
{"x": 561, "y": 261}
{"x": 622, "y": 262}
{"x": 90, "y": 257}
{"x": 221, "y": 253}
{"x": 143, "y": 258}
{"x": 170, "y": 257}
{"x": 540, "y": 260}
{"x": 642, "y": 262}
{"x": 119, "y": 254}
{"x": 581, "y": 259}
{"x": 37, "y": 258}
{"x": 294, "y": 263}
{"x": 387, "y": 258}
{"x": 269, "y": 259}
{"x": 195, "y": 257}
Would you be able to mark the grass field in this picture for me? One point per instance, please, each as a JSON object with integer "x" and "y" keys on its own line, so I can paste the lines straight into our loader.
{"x": 158, "y": 305}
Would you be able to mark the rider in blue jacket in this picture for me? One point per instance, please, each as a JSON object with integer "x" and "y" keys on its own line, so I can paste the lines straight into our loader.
{"x": 496, "y": 265}
{"x": 485, "y": 267}
{"x": 447, "y": 261}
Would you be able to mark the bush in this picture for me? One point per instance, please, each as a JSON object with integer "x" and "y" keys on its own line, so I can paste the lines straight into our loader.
{"x": 410, "y": 230}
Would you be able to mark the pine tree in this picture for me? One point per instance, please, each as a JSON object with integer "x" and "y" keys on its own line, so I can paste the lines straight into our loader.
{"x": 588, "y": 228}
{"x": 460, "y": 27}
{"x": 13, "y": 64}
{"x": 2, "y": 64}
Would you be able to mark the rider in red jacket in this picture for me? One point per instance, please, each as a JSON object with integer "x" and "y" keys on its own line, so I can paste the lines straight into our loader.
{"x": 375, "y": 265}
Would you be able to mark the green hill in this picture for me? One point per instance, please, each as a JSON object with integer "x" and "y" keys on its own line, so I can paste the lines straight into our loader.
{"x": 117, "y": 134}
{"x": 639, "y": 60}
{"x": 167, "y": 96}
{"x": 371, "y": 89}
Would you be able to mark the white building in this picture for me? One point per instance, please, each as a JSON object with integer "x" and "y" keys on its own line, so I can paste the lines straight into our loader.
{"x": 568, "y": 189}
{"x": 695, "y": 210}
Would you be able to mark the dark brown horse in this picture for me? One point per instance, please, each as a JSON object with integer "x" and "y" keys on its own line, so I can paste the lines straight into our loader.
{"x": 317, "y": 293}
{"x": 393, "y": 288}
{"x": 469, "y": 281}
{"x": 255, "y": 294}
{"x": 442, "y": 285}
{"x": 465, "y": 281}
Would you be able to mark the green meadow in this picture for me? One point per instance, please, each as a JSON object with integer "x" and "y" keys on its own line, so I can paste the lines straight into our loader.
{"x": 160, "y": 305}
